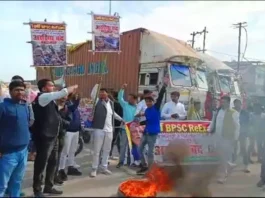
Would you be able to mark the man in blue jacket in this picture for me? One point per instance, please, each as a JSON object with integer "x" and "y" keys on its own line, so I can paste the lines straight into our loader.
{"x": 129, "y": 109}
{"x": 14, "y": 139}
{"x": 152, "y": 128}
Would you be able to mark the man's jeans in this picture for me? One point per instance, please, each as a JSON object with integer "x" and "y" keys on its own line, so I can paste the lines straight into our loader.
{"x": 102, "y": 142}
{"x": 260, "y": 146}
{"x": 123, "y": 145}
{"x": 12, "y": 170}
{"x": 244, "y": 149}
{"x": 262, "y": 172}
{"x": 149, "y": 140}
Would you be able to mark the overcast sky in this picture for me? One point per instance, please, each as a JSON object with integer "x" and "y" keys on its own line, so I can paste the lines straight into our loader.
{"x": 177, "y": 19}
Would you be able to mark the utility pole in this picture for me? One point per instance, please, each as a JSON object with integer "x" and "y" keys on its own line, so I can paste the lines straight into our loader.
{"x": 193, "y": 34}
{"x": 204, "y": 32}
{"x": 109, "y": 7}
{"x": 239, "y": 26}
{"x": 204, "y": 39}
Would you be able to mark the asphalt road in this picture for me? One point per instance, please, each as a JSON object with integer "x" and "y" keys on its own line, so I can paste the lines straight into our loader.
{"x": 238, "y": 184}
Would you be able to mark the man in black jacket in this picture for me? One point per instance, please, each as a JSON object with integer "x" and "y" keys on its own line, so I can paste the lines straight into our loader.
{"x": 45, "y": 134}
{"x": 66, "y": 119}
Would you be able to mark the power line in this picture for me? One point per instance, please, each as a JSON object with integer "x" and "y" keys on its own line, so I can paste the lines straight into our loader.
{"x": 246, "y": 45}
{"x": 231, "y": 55}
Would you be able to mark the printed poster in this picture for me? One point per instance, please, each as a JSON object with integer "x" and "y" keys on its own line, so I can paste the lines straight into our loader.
{"x": 106, "y": 33}
{"x": 202, "y": 144}
{"x": 48, "y": 44}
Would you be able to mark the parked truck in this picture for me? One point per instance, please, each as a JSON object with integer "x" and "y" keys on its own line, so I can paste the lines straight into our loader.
{"x": 162, "y": 55}
{"x": 222, "y": 80}
{"x": 145, "y": 58}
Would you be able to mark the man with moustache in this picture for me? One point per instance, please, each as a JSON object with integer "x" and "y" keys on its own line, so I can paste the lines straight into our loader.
{"x": 45, "y": 135}
{"x": 103, "y": 122}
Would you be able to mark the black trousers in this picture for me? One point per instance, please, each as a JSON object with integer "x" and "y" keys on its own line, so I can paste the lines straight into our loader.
{"x": 115, "y": 140}
{"x": 60, "y": 149}
{"x": 46, "y": 157}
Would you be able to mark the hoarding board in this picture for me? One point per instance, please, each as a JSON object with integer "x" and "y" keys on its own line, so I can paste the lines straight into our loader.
{"x": 48, "y": 44}
{"x": 106, "y": 33}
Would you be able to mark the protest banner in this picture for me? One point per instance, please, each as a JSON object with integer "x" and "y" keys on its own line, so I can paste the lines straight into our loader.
{"x": 202, "y": 145}
{"x": 48, "y": 44}
{"x": 106, "y": 33}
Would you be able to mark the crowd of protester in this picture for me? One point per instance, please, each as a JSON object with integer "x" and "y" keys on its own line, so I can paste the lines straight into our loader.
{"x": 52, "y": 124}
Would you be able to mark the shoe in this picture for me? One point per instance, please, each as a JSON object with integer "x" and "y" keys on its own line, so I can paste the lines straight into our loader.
{"x": 246, "y": 170}
{"x": 52, "y": 191}
{"x": 221, "y": 180}
{"x": 93, "y": 173}
{"x": 38, "y": 194}
{"x": 106, "y": 171}
{"x": 76, "y": 165}
{"x": 73, "y": 171}
{"x": 232, "y": 165}
{"x": 251, "y": 161}
{"x": 119, "y": 165}
{"x": 58, "y": 181}
{"x": 62, "y": 175}
{"x": 142, "y": 171}
{"x": 113, "y": 158}
{"x": 260, "y": 184}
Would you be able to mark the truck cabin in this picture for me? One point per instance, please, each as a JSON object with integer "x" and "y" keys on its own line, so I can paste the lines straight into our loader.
{"x": 186, "y": 76}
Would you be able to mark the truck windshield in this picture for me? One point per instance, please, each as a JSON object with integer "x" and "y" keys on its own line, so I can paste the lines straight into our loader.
{"x": 225, "y": 84}
{"x": 201, "y": 79}
{"x": 237, "y": 90}
{"x": 180, "y": 75}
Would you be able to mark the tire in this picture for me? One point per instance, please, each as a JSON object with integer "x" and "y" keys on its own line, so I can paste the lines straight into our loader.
{"x": 80, "y": 146}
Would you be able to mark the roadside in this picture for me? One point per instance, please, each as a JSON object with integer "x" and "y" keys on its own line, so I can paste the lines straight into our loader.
{"x": 238, "y": 184}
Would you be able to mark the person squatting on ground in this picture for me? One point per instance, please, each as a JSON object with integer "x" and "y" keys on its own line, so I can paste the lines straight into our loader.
{"x": 64, "y": 113}
{"x": 45, "y": 135}
{"x": 15, "y": 137}
{"x": 152, "y": 128}
{"x": 225, "y": 125}
{"x": 129, "y": 109}
{"x": 103, "y": 122}
{"x": 71, "y": 140}
{"x": 243, "y": 135}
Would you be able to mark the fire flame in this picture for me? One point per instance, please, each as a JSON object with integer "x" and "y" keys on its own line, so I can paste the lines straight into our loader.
{"x": 157, "y": 180}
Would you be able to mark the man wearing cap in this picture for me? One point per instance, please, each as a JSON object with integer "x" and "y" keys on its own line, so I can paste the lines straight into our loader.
{"x": 174, "y": 109}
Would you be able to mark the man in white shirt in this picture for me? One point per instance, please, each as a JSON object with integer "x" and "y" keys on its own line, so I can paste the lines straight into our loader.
{"x": 141, "y": 106}
{"x": 225, "y": 126}
{"x": 174, "y": 109}
{"x": 103, "y": 122}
